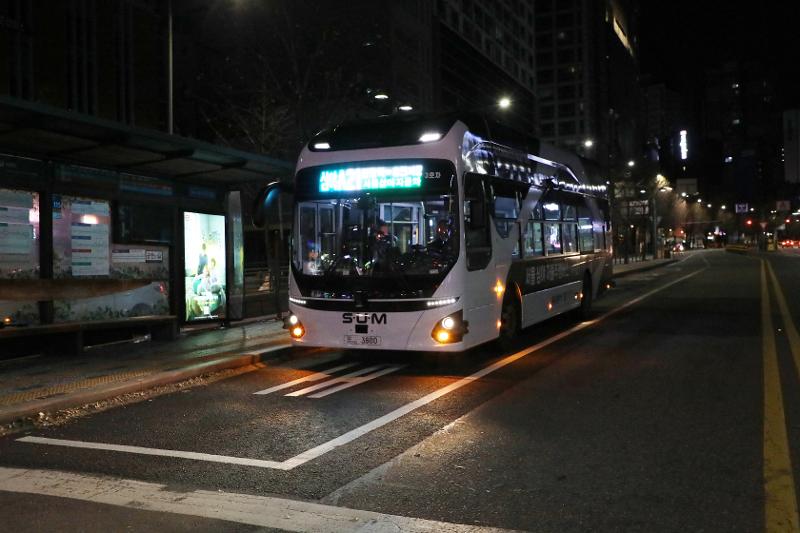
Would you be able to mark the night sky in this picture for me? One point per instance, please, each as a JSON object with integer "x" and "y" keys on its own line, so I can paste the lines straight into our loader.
{"x": 680, "y": 38}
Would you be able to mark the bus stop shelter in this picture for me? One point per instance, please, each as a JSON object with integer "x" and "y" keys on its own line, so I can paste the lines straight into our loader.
{"x": 106, "y": 228}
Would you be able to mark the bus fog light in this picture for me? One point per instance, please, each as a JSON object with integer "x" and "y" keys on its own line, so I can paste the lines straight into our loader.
{"x": 451, "y": 328}
{"x": 293, "y": 320}
{"x": 297, "y": 331}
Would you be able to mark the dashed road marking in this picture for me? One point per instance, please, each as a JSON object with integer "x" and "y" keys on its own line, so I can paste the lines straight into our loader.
{"x": 340, "y": 379}
{"x": 352, "y": 382}
{"x": 311, "y": 377}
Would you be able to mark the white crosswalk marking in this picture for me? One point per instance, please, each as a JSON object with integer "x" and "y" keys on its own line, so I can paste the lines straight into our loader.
{"x": 311, "y": 377}
{"x": 340, "y": 379}
{"x": 352, "y": 382}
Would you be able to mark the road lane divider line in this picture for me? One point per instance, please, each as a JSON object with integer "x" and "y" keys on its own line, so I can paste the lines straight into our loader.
{"x": 352, "y": 382}
{"x": 262, "y": 511}
{"x": 354, "y": 434}
{"x": 311, "y": 377}
{"x": 158, "y": 452}
{"x": 338, "y": 379}
{"x": 780, "y": 501}
{"x": 791, "y": 330}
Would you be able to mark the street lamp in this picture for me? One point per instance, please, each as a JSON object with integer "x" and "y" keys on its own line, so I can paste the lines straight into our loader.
{"x": 661, "y": 185}
{"x": 631, "y": 163}
{"x": 588, "y": 143}
{"x": 504, "y": 102}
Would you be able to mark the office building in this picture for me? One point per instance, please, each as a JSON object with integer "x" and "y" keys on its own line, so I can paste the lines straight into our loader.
{"x": 587, "y": 77}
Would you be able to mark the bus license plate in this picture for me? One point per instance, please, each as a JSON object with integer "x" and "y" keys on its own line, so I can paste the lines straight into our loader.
{"x": 362, "y": 340}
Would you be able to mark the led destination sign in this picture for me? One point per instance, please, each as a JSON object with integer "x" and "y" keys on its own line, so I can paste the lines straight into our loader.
{"x": 371, "y": 178}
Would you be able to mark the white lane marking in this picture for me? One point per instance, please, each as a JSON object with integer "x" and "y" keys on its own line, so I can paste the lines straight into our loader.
{"x": 352, "y": 382}
{"x": 353, "y": 434}
{"x": 340, "y": 379}
{"x": 261, "y": 511}
{"x": 208, "y": 457}
{"x": 311, "y": 377}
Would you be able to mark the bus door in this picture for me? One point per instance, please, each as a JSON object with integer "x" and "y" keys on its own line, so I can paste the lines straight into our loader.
{"x": 480, "y": 300}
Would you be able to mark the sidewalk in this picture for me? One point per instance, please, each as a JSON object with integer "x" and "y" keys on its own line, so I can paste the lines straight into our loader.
{"x": 37, "y": 384}
{"x": 650, "y": 263}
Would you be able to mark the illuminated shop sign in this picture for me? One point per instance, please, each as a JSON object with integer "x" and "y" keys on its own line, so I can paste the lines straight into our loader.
{"x": 684, "y": 144}
{"x": 371, "y": 178}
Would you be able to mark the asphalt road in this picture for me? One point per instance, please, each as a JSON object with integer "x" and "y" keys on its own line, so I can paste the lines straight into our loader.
{"x": 677, "y": 409}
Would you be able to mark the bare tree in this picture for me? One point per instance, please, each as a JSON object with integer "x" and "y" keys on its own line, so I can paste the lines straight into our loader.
{"x": 274, "y": 73}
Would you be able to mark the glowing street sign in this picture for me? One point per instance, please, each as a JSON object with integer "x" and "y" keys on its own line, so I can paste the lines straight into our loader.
{"x": 370, "y": 178}
{"x": 684, "y": 145}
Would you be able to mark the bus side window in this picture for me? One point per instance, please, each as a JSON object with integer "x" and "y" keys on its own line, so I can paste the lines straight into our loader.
{"x": 533, "y": 239}
{"x": 507, "y": 203}
{"x": 476, "y": 223}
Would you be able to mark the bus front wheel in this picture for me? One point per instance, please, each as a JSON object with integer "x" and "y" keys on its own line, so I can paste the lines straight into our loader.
{"x": 509, "y": 323}
{"x": 584, "y": 312}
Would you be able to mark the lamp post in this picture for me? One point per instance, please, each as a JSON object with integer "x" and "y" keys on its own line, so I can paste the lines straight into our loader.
{"x": 169, "y": 68}
{"x": 660, "y": 187}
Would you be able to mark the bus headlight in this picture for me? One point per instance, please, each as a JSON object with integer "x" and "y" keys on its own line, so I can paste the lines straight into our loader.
{"x": 451, "y": 328}
{"x": 295, "y": 327}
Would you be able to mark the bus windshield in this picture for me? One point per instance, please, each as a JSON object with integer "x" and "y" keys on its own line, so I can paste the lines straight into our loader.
{"x": 361, "y": 234}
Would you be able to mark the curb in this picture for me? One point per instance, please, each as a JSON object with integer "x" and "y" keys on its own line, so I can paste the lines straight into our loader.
{"x": 644, "y": 268}
{"x": 157, "y": 379}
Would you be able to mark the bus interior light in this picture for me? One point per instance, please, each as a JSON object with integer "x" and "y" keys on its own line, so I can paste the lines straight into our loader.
{"x": 430, "y": 136}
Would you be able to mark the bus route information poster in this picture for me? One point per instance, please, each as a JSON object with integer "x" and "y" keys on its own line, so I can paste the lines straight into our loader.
{"x": 81, "y": 237}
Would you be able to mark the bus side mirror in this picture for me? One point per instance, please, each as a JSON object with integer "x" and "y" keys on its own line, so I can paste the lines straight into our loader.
{"x": 265, "y": 200}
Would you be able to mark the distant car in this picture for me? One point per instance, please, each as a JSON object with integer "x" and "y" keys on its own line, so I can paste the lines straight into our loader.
{"x": 789, "y": 243}
{"x": 678, "y": 247}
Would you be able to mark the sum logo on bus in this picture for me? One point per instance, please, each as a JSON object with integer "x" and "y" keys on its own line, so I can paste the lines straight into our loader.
{"x": 364, "y": 318}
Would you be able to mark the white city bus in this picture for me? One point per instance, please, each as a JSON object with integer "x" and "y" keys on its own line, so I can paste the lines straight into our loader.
{"x": 419, "y": 233}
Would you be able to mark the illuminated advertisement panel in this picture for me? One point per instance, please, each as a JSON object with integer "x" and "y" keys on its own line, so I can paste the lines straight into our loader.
{"x": 204, "y": 266}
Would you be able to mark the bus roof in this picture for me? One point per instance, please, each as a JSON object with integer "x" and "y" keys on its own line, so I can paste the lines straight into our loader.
{"x": 405, "y": 129}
